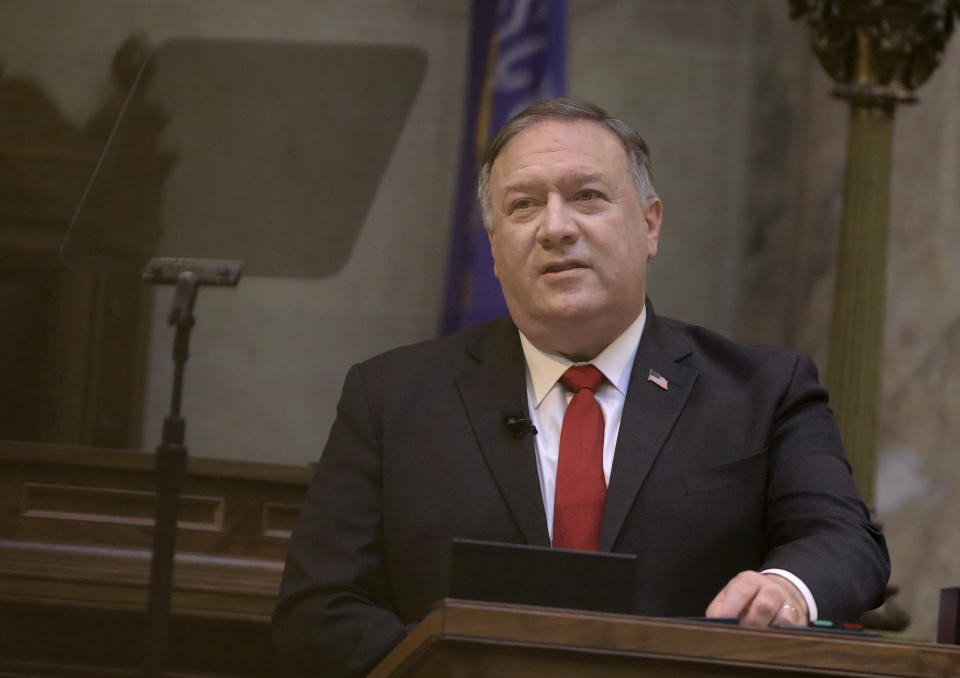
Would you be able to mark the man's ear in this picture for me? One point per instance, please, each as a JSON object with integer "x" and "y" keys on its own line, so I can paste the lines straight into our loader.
{"x": 653, "y": 215}
{"x": 493, "y": 254}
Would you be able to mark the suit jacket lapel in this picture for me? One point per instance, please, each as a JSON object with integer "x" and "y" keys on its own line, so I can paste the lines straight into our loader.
{"x": 648, "y": 417}
{"x": 492, "y": 387}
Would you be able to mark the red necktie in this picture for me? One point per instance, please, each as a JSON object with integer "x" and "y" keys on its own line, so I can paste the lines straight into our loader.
{"x": 581, "y": 489}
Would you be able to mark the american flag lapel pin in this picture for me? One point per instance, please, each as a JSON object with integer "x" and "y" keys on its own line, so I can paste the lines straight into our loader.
{"x": 658, "y": 380}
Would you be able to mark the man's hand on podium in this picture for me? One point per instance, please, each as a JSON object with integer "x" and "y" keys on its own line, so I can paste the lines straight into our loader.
{"x": 760, "y": 600}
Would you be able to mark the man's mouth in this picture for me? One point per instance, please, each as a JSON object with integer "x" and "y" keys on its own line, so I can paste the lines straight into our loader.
{"x": 562, "y": 266}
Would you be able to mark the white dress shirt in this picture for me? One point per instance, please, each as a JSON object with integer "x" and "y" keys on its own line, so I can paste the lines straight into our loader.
{"x": 547, "y": 401}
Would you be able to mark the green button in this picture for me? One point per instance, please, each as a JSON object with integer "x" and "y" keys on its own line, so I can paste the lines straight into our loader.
{"x": 821, "y": 622}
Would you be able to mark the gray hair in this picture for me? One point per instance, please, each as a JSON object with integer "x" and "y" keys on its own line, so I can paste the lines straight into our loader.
{"x": 638, "y": 154}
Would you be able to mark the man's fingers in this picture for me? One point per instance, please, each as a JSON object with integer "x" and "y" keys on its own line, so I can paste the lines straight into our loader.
{"x": 736, "y": 596}
{"x": 789, "y": 615}
{"x": 766, "y": 605}
{"x": 794, "y": 609}
{"x": 760, "y": 600}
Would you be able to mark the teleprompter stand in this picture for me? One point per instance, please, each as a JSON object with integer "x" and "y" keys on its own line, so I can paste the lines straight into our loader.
{"x": 171, "y": 458}
{"x": 260, "y": 188}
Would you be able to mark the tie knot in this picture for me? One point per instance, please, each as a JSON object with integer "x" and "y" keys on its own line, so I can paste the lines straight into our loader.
{"x": 582, "y": 376}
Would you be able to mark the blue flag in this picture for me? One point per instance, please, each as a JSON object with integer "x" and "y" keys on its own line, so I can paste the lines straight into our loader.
{"x": 517, "y": 57}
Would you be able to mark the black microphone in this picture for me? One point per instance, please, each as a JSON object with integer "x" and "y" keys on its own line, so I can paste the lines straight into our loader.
{"x": 518, "y": 424}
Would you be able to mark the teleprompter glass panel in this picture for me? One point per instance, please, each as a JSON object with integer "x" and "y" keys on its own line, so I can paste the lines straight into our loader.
{"x": 269, "y": 152}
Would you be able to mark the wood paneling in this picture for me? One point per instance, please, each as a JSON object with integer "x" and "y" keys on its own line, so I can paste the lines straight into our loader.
{"x": 76, "y": 529}
{"x": 111, "y": 505}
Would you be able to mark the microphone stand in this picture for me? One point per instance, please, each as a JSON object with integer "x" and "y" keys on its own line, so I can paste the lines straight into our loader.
{"x": 171, "y": 459}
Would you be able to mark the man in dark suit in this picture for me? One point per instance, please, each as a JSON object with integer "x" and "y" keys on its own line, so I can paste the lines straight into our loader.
{"x": 719, "y": 465}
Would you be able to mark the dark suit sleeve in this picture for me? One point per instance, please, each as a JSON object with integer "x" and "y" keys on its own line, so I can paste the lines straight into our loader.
{"x": 334, "y": 616}
{"x": 817, "y": 526}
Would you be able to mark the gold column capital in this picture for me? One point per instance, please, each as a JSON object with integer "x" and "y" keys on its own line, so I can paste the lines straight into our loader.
{"x": 878, "y": 51}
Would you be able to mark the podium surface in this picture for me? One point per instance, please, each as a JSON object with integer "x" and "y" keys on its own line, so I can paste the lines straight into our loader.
{"x": 477, "y": 640}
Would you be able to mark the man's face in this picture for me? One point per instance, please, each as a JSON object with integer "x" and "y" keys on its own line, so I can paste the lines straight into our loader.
{"x": 570, "y": 238}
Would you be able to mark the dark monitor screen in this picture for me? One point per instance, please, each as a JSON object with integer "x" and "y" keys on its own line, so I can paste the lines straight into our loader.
{"x": 536, "y": 575}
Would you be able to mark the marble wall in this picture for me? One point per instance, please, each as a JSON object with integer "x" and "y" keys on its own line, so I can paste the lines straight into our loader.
{"x": 796, "y": 198}
{"x": 748, "y": 152}
{"x": 919, "y": 462}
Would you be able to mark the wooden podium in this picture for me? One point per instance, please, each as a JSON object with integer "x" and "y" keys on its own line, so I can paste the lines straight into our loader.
{"x": 480, "y": 640}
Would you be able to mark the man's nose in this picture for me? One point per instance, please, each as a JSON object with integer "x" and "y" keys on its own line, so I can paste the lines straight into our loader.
{"x": 557, "y": 223}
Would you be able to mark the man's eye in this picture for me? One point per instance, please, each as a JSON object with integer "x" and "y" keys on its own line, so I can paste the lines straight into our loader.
{"x": 522, "y": 204}
{"x": 588, "y": 194}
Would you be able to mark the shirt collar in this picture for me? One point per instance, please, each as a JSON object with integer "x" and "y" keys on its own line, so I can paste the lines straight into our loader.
{"x": 615, "y": 361}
